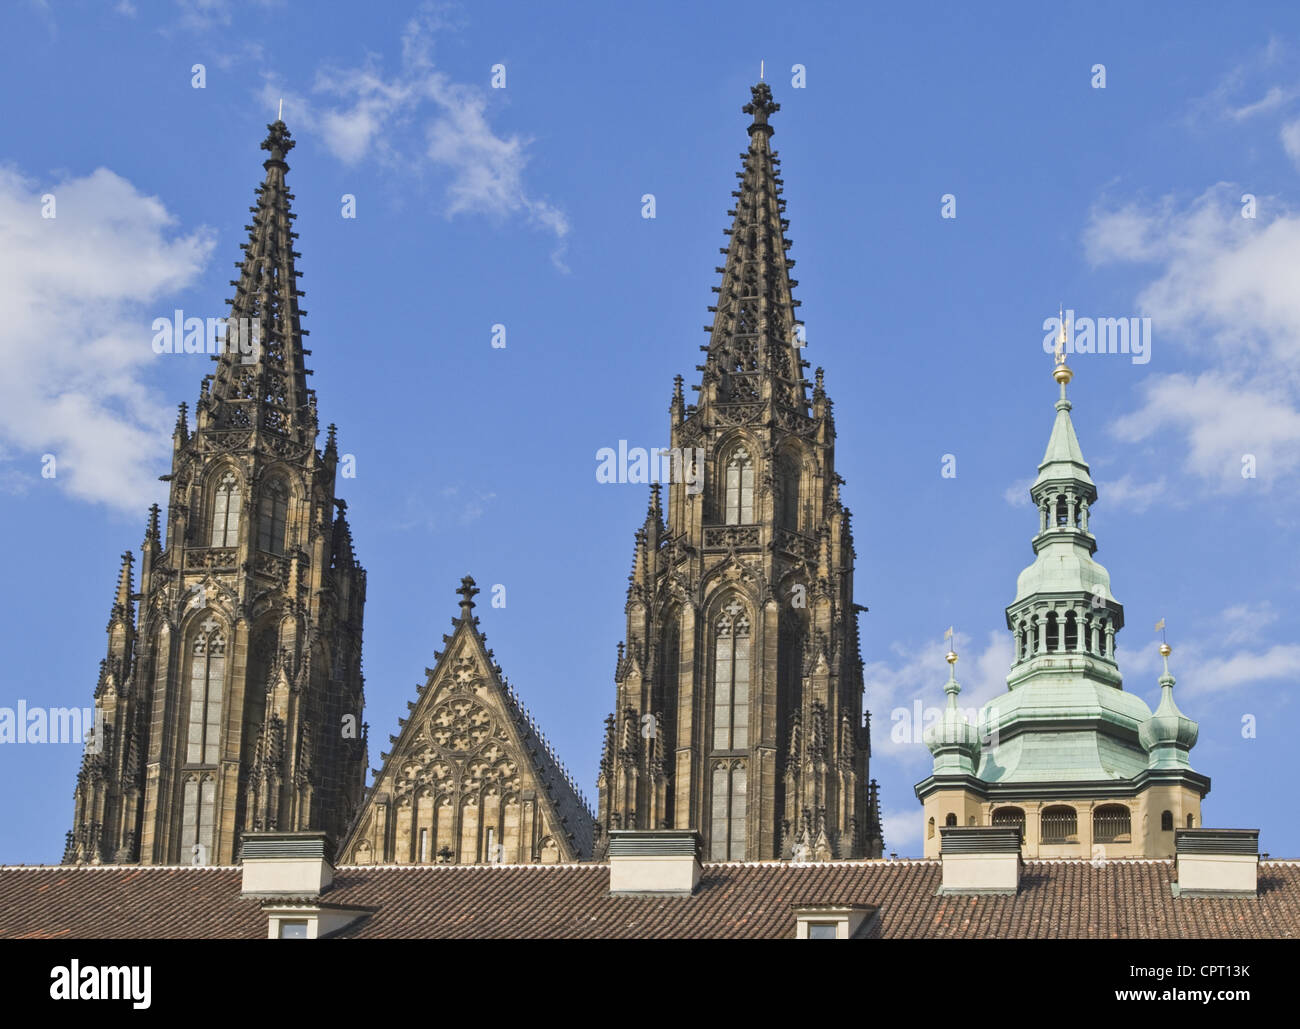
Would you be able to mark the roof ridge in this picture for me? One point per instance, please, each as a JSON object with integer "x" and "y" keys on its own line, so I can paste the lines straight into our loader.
{"x": 1104, "y": 861}
{"x": 117, "y": 867}
{"x": 425, "y": 867}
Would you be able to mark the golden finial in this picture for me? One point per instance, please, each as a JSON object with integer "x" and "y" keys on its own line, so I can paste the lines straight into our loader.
{"x": 1062, "y": 373}
{"x": 951, "y": 656}
{"x": 1165, "y": 648}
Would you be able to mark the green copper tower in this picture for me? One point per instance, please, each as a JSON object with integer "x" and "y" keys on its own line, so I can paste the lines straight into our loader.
{"x": 1082, "y": 766}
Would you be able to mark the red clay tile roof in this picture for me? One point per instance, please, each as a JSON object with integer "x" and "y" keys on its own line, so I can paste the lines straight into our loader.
{"x": 121, "y": 902}
{"x": 1121, "y": 899}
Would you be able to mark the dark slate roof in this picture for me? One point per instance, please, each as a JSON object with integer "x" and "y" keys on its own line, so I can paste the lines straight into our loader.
{"x": 1121, "y": 899}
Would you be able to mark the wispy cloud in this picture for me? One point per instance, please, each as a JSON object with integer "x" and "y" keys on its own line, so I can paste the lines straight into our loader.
{"x": 902, "y": 828}
{"x": 201, "y": 15}
{"x": 1228, "y": 655}
{"x": 75, "y": 340}
{"x": 1017, "y": 494}
{"x": 1130, "y": 493}
{"x": 416, "y": 115}
{"x": 917, "y": 673}
{"x": 1249, "y": 89}
{"x": 1222, "y": 294}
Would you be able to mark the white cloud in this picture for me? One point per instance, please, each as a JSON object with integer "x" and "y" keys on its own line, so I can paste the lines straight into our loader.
{"x": 918, "y": 674}
{"x": 1127, "y": 493}
{"x": 902, "y": 830}
{"x": 1245, "y": 623}
{"x": 1222, "y": 294}
{"x": 420, "y": 115}
{"x": 1226, "y": 656}
{"x": 1273, "y": 100}
{"x": 1017, "y": 494}
{"x": 201, "y": 15}
{"x": 1243, "y": 668}
{"x": 1231, "y": 97}
{"x": 76, "y": 336}
{"x": 1290, "y": 134}
{"x": 1221, "y": 421}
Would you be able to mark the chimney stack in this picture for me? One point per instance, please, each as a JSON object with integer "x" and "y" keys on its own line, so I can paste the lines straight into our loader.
{"x": 655, "y": 861}
{"x": 980, "y": 859}
{"x": 1217, "y": 862}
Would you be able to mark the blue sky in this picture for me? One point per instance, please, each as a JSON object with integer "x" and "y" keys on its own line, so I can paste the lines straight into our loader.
{"x": 522, "y": 207}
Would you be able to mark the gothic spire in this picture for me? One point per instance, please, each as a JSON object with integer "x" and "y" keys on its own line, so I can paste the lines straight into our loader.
{"x": 260, "y": 379}
{"x": 753, "y": 349}
{"x": 123, "y": 608}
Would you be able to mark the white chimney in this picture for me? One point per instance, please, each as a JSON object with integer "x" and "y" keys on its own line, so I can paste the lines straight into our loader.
{"x": 659, "y": 861}
{"x": 1217, "y": 862}
{"x": 286, "y": 864}
{"x": 980, "y": 859}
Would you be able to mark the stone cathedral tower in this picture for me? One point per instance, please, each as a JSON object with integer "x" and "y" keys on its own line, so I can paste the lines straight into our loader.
{"x": 739, "y": 706}
{"x": 232, "y": 701}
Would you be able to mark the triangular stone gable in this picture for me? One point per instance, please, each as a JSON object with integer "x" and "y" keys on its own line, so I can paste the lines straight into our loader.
{"x": 470, "y": 779}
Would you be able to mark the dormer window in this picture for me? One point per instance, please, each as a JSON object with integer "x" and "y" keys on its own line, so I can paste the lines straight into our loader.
{"x": 835, "y": 922}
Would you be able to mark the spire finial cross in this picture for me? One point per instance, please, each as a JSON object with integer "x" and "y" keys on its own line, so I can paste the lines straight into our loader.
{"x": 761, "y": 106}
{"x": 467, "y": 591}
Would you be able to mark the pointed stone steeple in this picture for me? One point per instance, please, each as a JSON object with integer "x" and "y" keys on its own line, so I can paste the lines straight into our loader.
{"x": 110, "y": 738}
{"x": 753, "y": 350}
{"x": 239, "y": 705}
{"x": 470, "y": 779}
{"x": 261, "y": 378}
{"x": 739, "y": 697}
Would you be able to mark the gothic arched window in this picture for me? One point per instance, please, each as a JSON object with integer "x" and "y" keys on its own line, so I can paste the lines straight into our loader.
{"x": 198, "y": 817}
{"x": 739, "y": 500}
{"x": 225, "y": 512}
{"x": 730, "y": 809}
{"x": 731, "y": 679}
{"x": 272, "y": 508}
{"x": 788, "y": 491}
{"x": 207, "y": 676}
